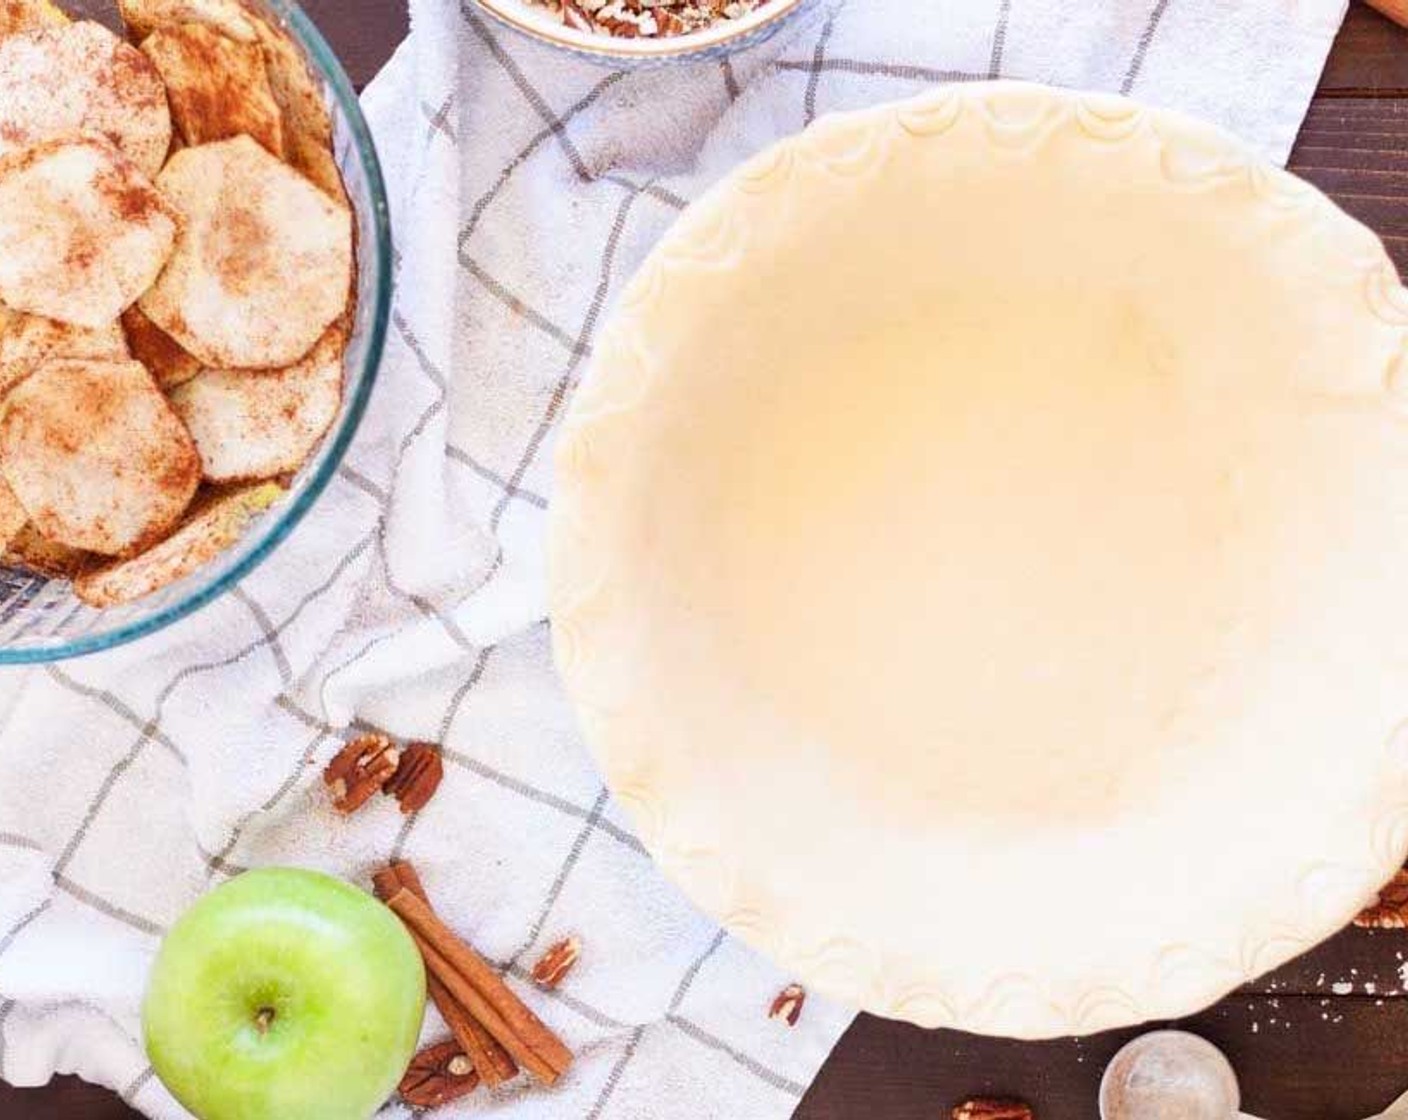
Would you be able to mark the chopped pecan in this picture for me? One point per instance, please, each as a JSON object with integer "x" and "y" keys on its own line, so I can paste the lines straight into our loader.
{"x": 787, "y": 1007}
{"x": 574, "y": 17}
{"x": 438, "y": 1075}
{"x": 417, "y": 777}
{"x": 620, "y": 28}
{"x": 655, "y": 19}
{"x": 360, "y": 769}
{"x": 670, "y": 24}
{"x": 992, "y": 1108}
{"x": 556, "y": 963}
{"x": 1390, "y": 909}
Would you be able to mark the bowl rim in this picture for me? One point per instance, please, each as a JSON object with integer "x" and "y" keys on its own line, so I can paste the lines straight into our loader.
{"x": 282, "y": 520}
{"x": 537, "y": 24}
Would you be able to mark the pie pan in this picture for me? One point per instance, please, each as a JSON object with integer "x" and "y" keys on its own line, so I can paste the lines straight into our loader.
{"x": 978, "y": 557}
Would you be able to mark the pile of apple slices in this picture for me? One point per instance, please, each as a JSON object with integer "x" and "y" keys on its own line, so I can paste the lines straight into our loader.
{"x": 176, "y": 267}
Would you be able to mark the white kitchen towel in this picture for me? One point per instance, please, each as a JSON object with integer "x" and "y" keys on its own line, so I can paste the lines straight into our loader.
{"x": 526, "y": 186}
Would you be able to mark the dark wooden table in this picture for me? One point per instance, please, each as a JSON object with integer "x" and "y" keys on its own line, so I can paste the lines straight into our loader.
{"x": 1325, "y": 1038}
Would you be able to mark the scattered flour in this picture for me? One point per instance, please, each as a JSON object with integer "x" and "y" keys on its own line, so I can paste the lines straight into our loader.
{"x": 1343, "y": 988}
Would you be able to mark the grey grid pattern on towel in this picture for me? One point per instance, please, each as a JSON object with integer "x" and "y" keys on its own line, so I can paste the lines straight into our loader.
{"x": 526, "y": 187}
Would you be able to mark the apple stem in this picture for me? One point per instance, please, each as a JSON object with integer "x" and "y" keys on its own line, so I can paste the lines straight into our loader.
{"x": 264, "y": 1020}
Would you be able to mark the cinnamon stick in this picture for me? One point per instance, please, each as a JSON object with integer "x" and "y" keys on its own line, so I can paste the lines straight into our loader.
{"x": 478, "y": 1006}
{"x": 472, "y": 981}
{"x": 393, "y": 877}
{"x": 493, "y": 1063}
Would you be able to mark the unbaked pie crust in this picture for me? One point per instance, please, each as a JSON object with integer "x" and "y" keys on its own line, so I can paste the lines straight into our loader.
{"x": 979, "y": 559}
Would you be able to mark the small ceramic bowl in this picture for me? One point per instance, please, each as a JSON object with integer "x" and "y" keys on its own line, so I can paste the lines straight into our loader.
{"x": 722, "y": 39}
{"x": 1170, "y": 1073}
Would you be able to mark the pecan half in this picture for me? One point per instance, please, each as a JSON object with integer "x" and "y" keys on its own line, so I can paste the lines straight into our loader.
{"x": 438, "y": 1075}
{"x": 417, "y": 777}
{"x": 787, "y": 1007}
{"x": 1390, "y": 909}
{"x": 360, "y": 769}
{"x": 992, "y": 1108}
{"x": 556, "y": 963}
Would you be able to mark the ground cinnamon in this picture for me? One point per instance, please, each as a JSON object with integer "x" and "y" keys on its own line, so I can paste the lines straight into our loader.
{"x": 494, "y": 1064}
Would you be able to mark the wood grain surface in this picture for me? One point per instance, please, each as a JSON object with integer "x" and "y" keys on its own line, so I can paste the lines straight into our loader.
{"x": 1324, "y": 1038}
{"x": 1396, "y": 10}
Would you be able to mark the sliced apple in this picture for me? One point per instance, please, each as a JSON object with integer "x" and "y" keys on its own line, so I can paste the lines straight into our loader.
{"x": 228, "y": 17}
{"x": 213, "y": 525}
{"x": 80, "y": 77}
{"x": 217, "y": 86}
{"x": 157, "y": 350}
{"x": 12, "y": 516}
{"x": 26, "y": 15}
{"x": 307, "y": 123}
{"x": 31, "y": 551}
{"x": 28, "y": 340}
{"x": 263, "y": 263}
{"x": 96, "y": 455}
{"x": 259, "y": 424}
{"x": 82, "y": 231}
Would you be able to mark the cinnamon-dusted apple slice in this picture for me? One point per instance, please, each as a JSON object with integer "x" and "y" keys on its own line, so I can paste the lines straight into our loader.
{"x": 12, "y": 516}
{"x": 214, "y": 524}
{"x": 96, "y": 455}
{"x": 263, "y": 263}
{"x": 26, "y": 15}
{"x": 28, "y": 340}
{"x": 217, "y": 86}
{"x": 31, "y": 551}
{"x": 314, "y": 161}
{"x": 12, "y": 513}
{"x": 82, "y": 231}
{"x": 307, "y": 127}
{"x": 80, "y": 77}
{"x": 228, "y": 17}
{"x": 251, "y": 424}
{"x": 158, "y": 351}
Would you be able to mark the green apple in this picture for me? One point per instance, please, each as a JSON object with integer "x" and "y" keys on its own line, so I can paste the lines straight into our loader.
{"x": 284, "y": 995}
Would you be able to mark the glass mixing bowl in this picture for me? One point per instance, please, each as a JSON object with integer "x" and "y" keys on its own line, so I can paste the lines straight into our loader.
{"x": 41, "y": 619}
